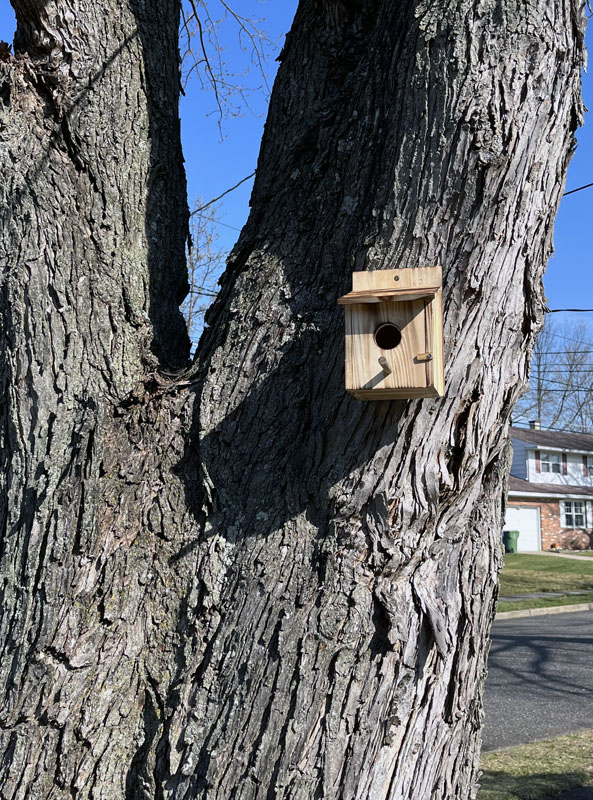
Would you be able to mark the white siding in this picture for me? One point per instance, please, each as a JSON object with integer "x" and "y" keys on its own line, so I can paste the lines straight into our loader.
{"x": 574, "y": 470}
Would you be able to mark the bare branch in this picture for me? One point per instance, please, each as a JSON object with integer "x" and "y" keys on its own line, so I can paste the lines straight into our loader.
{"x": 205, "y": 262}
{"x": 253, "y": 34}
{"x": 558, "y": 396}
{"x": 205, "y": 59}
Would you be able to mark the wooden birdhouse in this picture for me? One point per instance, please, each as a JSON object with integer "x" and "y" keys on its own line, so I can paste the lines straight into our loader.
{"x": 394, "y": 334}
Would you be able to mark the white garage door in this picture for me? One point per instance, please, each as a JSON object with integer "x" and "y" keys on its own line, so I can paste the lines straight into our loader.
{"x": 526, "y": 521}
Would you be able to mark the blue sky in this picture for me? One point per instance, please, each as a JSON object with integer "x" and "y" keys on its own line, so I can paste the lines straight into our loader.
{"x": 569, "y": 277}
{"x": 218, "y": 158}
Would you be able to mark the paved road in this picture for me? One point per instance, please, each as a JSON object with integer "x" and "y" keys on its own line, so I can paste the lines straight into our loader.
{"x": 540, "y": 679}
{"x": 585, "y": 793}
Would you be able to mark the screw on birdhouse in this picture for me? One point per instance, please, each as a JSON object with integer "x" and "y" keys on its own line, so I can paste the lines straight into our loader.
{"x": 384, "y": 365}
{"x": 396, "y": 277}
{"x": 424, "y": 357}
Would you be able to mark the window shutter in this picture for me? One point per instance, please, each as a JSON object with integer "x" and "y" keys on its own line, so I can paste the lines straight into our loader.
{"x": 585, "y": 468}
{"x": 538, "y": 463}
{"x": 564, "y": 464}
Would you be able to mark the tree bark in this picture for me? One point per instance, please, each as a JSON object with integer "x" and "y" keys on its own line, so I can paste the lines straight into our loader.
{"x": 241, "y": 582}
{"x": 94, "y": 220}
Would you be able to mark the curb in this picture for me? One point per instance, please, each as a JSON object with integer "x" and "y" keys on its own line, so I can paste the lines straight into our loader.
{"x": 542, "y": 612}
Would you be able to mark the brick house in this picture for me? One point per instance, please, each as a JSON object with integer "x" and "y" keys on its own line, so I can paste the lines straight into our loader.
{"x": 550, "y": 500}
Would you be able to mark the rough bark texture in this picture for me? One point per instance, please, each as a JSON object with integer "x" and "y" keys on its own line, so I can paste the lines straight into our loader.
{"x": 94, "y": 217}
{"x": 245, "y": 583}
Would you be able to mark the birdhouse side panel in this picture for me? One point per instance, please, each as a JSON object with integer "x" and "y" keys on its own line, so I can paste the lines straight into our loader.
{"x": 438, "y": 361}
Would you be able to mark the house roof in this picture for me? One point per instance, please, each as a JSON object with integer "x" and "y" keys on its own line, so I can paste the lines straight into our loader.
{"x": 519, "y": 486}
{"x": 581, "y": 442}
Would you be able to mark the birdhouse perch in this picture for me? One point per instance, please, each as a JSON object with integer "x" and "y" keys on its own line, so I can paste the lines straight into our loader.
{"x": 394, "y": 334}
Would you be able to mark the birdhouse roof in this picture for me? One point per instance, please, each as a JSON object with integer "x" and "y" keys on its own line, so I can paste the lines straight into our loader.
{"x": 390, "y": 295}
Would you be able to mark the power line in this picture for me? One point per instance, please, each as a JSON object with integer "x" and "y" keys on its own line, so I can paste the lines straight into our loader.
{"x": 551, "y": 365}
{"x": 551, "y": 428}
{"x": 220, "y": 196}
{"x": 588, "y": 345}
{"x": 567, "y": 338}
{"x": 577, "y": 371}
{"x": 580, "y": 189}
{"x": 563, "y": 352}
{"x": 216, "y": 221}
{"x": 568, "y": 386}
{"x": 562, "y": 378}
{"x": 248, "y": 177}
{"x": 571, "y": 388}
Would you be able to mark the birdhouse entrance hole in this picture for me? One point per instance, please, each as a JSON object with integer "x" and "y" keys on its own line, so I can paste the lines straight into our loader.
{"x": 387, "y": 336}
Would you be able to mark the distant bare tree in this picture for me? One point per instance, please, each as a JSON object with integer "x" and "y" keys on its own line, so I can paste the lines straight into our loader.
{"x": 205, "y": 263}
{"x": 560, "y": 393}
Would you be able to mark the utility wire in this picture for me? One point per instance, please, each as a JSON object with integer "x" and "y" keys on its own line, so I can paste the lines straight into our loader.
{"x": 220, "y": 196}
{"x": 563, "y": 370}
{"x": 248, "y": 177}
{"x": 566, "y": 384}
{"x": 580, "y": 189}
{"x": 563, "y": 352}
{"x": 568, "y": 339}
{"x": 550, "y": 427}
{"x": 236, "y": 186}
{"x": 216, "y": 221}
{"x": 556, "y": 310}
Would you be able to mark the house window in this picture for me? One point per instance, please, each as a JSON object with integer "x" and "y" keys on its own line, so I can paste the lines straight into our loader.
{"x": 550, "y": 462}
{"x": 588, "y": 466}
{"x": 574, "y": 513}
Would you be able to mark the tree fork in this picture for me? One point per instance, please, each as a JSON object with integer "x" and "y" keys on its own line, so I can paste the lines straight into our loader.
{"x": 256, "y": 586}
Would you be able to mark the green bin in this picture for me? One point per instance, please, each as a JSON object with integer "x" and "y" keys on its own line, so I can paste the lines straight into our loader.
{"x": 509, "y": 539}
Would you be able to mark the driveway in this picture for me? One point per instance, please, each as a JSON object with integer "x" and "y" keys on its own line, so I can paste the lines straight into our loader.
{"x": 540, "y": 679}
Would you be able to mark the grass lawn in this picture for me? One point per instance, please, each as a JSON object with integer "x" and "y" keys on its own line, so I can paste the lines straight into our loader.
{"x": 538, "y": 770}
{"x": 525, "y": 573}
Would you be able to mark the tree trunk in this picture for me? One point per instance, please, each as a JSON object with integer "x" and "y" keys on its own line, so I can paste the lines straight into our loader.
{"x": 242, "y": 582}
{"x": 94, "y": 219}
